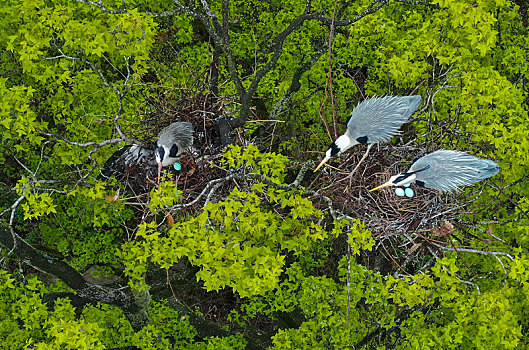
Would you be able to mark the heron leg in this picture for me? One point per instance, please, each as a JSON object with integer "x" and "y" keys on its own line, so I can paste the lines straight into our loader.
{"x": 350, "y": 177}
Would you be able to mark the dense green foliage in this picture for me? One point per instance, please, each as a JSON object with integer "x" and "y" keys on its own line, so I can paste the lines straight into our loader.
{"x": 292, "y": 267}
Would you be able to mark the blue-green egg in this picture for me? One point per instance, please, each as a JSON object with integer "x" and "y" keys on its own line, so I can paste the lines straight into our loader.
{"x": 409, "y": 192}
{"x": 399, "y": 192}
{"x": 177, "y": 166}
{"x": 406, "y": 185}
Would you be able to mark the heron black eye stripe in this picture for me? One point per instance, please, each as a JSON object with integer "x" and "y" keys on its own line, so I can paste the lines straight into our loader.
{"x": 362, "y": 139}
{"x": 160, "y": 151}
{"x": 401, "y": 178}
{"x": 334, "y": 149}
{"x": 174, "y": 151}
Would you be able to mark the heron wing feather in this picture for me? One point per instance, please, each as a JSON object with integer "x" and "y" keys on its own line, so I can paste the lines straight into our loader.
{"x": 380, "y": 118}
{"x": 448, "y": 170}
{"x": 127, "y": 157}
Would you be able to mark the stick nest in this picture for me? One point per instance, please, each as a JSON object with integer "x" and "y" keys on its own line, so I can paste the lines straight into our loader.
{"x": 383, "y": 212}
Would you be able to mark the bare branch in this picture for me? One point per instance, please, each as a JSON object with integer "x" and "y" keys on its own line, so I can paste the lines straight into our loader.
{"x": 504, "y": 271}
{"x": 278, "y": 50}
{"x": 25, "y": 168}
{"x": 475, "y": 251}
{"x": 342, "y": 23}
{"x": 12, "y": 208}
{"x": 472, "y": 284}
{"x": 348, "y": 286}
{"x": 213, "y": 185}
{"x": 85, "y": 144}
{"x": 216, "y": 33}
{"x": 219, "y": 33}
{"x": 210, "y": 13}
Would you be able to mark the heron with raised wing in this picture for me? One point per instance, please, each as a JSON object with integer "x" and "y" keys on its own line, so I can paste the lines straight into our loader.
{"x": 375, "y": 120}
{"x": 444, "y": 170}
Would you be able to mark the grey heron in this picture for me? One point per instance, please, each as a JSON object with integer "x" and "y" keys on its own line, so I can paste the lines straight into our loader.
{"x": 171, "y": 142}
{"x": 444, "y": 170}
{"x": 375, "y": 120}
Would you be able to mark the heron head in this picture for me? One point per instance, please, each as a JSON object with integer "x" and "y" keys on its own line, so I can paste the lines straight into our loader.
{"x": 335, "y": 149}
{"x": 341, "y": 144}
{"x": 159, "y": 154}
{"x": 331, "y": 152}
{"x": 397, "y": 180}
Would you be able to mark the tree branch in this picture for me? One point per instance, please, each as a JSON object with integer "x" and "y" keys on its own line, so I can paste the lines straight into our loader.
{"x": 411, "y": 2}
{"x": 219, "y": 33}
{"x": 475, "y": 251}
{"x": 246, "y": 99}
{"x": 215, "y": 31}
{"x": 213, "y": 185}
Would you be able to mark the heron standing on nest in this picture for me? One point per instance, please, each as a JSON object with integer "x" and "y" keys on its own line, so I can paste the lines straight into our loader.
{"x": 172, "y": 141}
{"x": 444, "y": 170}
{"x": 375, "y": 120}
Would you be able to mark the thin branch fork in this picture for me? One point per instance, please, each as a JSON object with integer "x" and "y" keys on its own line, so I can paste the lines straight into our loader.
{"x": 220, "y": 36}
{"x": 216, "y": 183}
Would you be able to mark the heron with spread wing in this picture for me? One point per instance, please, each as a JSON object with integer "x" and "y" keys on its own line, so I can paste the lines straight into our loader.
{"x": 444, "y": 170}
{"x": 375, "y": 120}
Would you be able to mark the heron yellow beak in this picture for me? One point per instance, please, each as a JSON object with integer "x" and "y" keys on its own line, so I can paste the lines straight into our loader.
{"x": 325, "y": 160}
{"x": 387, "y": 184}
